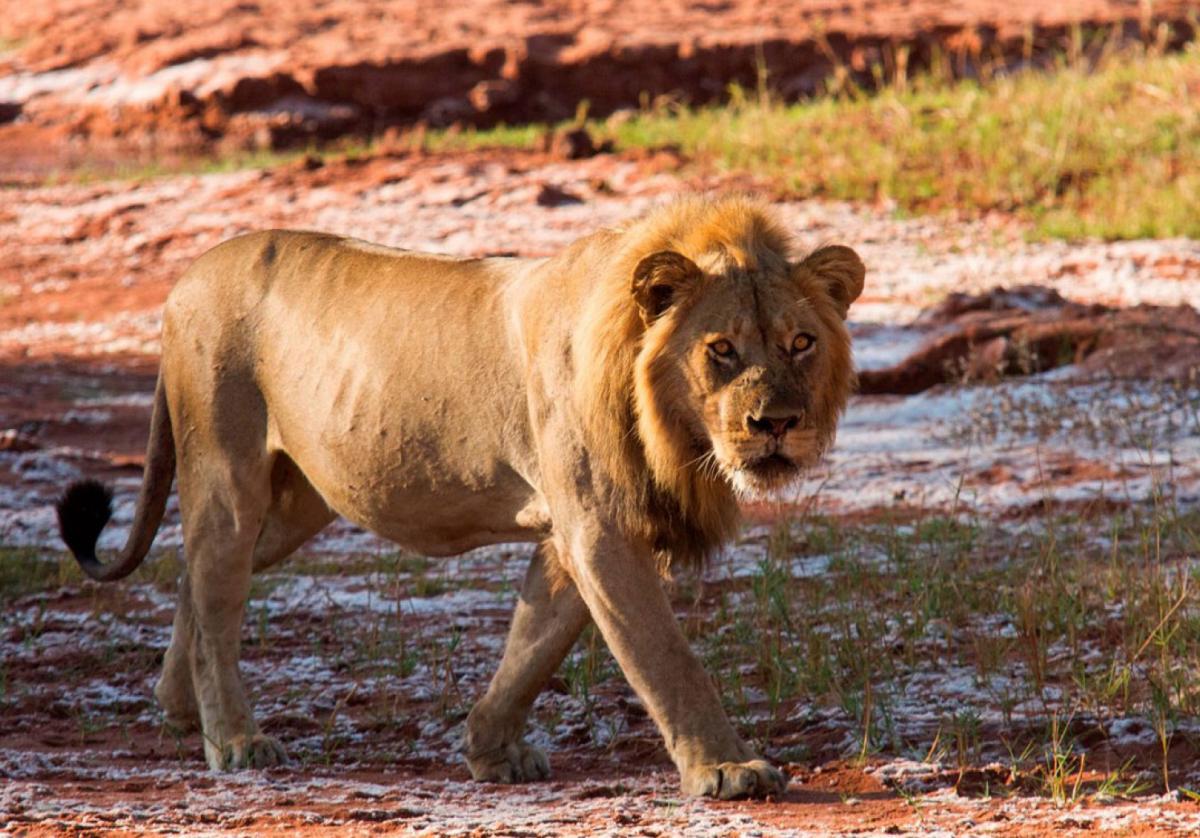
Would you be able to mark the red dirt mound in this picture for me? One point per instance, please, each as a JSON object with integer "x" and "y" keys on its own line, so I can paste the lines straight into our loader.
{"x": 1031, "y": 329}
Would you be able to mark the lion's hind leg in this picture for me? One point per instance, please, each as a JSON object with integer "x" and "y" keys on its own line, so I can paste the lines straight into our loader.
{"x": 224, "y": 497}
{"x": 174, "y": 689}
{"x": 296, "y": 514}
{"x": 546, "y": 623}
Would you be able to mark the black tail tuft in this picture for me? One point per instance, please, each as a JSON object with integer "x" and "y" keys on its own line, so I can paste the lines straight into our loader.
{"x": 83, "y": 511}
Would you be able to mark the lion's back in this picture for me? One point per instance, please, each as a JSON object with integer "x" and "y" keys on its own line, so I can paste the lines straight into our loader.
{"x": 321, "y": 281}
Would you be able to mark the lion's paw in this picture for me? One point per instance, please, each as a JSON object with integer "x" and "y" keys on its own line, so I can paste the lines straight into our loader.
{"x": 730, "y": 780}
{"x": 256, "y": 751}
{"x": 517, "y": 762}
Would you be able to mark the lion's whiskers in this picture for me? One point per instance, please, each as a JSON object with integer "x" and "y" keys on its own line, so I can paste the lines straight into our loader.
{"x": 706, "y": 464}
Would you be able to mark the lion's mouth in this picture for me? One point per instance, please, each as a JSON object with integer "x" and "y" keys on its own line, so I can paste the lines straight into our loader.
{"x": 754, "y": 478}
{"x": 772, "y": 468}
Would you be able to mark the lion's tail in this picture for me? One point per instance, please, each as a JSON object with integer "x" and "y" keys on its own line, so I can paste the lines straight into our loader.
{"x": 86, "y": 506}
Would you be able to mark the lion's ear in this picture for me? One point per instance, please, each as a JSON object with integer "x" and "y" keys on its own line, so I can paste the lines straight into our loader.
{"x": 659, "y": 279}
{"x": 840, "y": 271}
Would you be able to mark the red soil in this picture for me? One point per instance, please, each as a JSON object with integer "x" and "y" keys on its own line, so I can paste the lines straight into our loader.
{"x": 185, "y": 74}
{"x": 87, "y": 267}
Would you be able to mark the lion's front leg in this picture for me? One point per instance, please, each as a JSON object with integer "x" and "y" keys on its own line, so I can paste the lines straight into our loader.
{"x": 625, "y": 597}
{"x": 545, "y": 625}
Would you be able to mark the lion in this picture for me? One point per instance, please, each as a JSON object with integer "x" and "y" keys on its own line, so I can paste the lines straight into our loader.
{"x": 609, "y": 405}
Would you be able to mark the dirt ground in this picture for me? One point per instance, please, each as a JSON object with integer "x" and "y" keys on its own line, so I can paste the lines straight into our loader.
{"x": 366, "y": 671}
{"x": 364, "y": 661}
{"x": 170, "y": 77}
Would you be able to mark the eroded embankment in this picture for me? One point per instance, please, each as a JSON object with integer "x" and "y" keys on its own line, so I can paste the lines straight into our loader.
{"x": 171, "y": 76}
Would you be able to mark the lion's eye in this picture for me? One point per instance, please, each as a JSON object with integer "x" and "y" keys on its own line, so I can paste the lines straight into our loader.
{"x": 802, "y": 343}
{"x": 721, "y": 348}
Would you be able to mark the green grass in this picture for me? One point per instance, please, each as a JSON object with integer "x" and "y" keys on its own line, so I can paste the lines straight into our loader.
{"x": 1101, "y": 608}
{"x": 24, "y": 570}
{"x": 1113, "y": 153}
{"x": 1109, "y": 151}
{"x": 470, "y": 139}
{"x": 144, "y": 170}
{"x": 28, "y": 570}
{"x": 1101, "y": 611}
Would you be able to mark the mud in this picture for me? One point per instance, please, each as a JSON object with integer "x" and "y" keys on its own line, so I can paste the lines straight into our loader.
{"x": 365, "y": 667}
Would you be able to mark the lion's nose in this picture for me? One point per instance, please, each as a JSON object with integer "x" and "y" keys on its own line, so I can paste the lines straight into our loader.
{"x": 777, "y": 426}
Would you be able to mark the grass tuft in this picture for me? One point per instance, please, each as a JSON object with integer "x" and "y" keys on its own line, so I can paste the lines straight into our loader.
{"x": 24, "y": 570}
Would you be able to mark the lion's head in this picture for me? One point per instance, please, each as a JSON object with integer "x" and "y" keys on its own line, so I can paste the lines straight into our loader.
{"x": 745, "y": 364}
{"x": 740, "y": 358}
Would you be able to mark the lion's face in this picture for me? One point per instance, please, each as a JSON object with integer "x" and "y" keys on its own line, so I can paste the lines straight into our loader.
{"x": 753, "y": 365}
{"x": 756, "y": 359}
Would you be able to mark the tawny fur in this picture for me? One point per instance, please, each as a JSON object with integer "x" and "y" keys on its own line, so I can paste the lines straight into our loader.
{"x": 663, "y": 492}
{"x": 448, "y": 404}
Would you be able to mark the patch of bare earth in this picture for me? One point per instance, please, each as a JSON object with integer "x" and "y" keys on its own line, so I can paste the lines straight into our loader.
{"x": 82, "y": 82}
{"x": 365, "y": 661}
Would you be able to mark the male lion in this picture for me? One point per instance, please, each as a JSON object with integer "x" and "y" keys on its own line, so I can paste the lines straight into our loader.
{"x": 608, "y": 404}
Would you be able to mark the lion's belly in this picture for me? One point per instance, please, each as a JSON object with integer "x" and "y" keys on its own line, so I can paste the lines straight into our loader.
{"x": 438, "y": 517}
{"x": 420, "y": 470}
